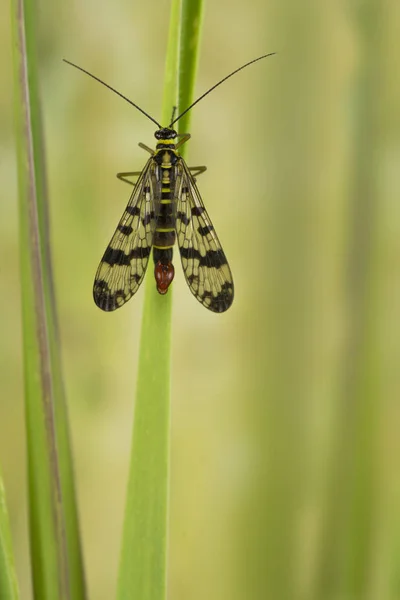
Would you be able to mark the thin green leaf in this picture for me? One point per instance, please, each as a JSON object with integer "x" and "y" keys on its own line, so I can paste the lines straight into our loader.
{"x": 144, "y": 549}
{"x": 192, "y": 16}
{"x": 349, "y": 536}
{"x": 170, "y": 97}
{"x": 55, "y": 548}
{"x": 142, "y": 571}
{"x": 8, "y": 580}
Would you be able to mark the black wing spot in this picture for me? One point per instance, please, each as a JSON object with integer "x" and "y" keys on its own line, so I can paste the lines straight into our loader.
{"x": 212, "y": 258}
{"x": 197, "y": 210}
{"x": 125, "y": 229}
{"x": 133, "y": 210}
{"x": 205, "y": 230}
{"x": 148, "y": 218}
{"x": 140, "y": 252}
{"x": 105, "y": 299}
{"x": 222, "y": 301}
{"x": 116, "y": 257}
{"x": 183, "y": 217}
{"x": 101, "y": 286}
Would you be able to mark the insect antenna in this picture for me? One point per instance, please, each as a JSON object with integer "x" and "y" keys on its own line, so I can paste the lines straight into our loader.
{"x": 219, "y": 83}
{"x": 113, "y": 90}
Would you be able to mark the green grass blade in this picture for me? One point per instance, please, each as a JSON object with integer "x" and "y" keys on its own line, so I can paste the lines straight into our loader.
{"x": 351, "y": 520}
{"x": 8, "y": 580}
{"x": 142, "y": 571}
{"x": 170, "y": 96}
{"x": 192, "y": 16}
{"x": 144, "y": 548}
{"x": 55, "y": 547}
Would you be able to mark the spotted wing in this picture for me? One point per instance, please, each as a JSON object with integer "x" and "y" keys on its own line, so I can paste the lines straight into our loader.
{"x": 204, "y": 263}
{"x": 124, "y": 263}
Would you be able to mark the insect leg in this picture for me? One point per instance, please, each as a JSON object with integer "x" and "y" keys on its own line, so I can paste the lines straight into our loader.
{"x": 141, "y": 145}
{"x": 196, "y": 171}
{"x": 185, "y": 137}
{"x": 123, "y": 176}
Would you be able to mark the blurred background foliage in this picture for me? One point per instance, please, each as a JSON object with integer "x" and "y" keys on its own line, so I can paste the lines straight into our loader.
{"x": 285, "y": 416}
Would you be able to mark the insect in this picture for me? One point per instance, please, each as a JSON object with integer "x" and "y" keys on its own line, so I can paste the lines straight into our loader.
{"x": 165, "y": 207}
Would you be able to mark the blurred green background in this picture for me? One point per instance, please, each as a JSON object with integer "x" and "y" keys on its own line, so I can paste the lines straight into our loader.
{"x": 285, "y": 416}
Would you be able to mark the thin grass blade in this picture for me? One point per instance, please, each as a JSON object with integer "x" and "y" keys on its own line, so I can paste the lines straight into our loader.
{"x": 55, "y": 548}
{"x": 142, "y": 572}
{"x": 8, "y": 580}
{"x": 144, "y": 548}
{"x": 192, "y": 18}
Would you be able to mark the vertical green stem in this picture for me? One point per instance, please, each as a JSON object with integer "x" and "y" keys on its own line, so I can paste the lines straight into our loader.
{"x": 54, "y": 536}
{"x": 347, "y": 541}
{"x": 144, "y": 547}
{"x": 192, "y": 17}
{"x": 49, "y": 560}
{"x": 142, "y": 573}
{"x": 8, "y": 581}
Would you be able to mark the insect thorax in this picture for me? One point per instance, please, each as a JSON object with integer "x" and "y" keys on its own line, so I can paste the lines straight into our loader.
{"x": 165, "y": 141}
{"x": 165, "y": 157}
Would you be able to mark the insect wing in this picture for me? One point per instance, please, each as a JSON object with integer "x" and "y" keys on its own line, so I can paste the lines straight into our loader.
{"x": 125, "y": 260}
{"x": 204, "y": 263}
